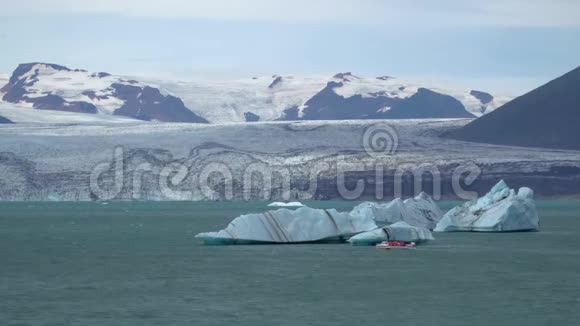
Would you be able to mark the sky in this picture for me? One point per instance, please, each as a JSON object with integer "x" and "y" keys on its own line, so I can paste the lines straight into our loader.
{"x": 506, "y": 47}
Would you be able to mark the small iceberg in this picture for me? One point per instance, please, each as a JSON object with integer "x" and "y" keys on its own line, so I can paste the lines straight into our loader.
{"x": 400, "y": 231}
{"x": 420, "y": 211}
{"x": 282, "y": 204}
{"x": 304, "y": 225}
{"x": 500, "y": 210}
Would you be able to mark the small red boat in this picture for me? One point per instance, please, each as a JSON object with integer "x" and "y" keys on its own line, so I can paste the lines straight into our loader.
{"x": 396, "y": 245}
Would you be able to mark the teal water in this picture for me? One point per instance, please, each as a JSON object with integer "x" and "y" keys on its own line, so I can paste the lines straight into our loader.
{"x": 138, "y": 264}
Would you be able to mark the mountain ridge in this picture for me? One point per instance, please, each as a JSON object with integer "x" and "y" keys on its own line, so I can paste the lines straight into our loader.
{"x": 342, "y": 96}
{"x": 547, "y": 116}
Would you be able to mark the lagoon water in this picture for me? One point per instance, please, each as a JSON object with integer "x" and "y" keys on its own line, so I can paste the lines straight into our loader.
{"x": 137, "y": 263}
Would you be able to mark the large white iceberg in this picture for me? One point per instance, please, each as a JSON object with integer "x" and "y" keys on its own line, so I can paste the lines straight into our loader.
{"x": 303, "y": 225}
{"x": 420, "y": 211}
{"x": 500, "y": 210}
{"x": 400, "y": 231}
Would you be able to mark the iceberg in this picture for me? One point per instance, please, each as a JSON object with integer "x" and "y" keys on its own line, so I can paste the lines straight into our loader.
{"x": 304, "y": 225}
{"x": 420, "y": 211}
{"x": 290, "y": 204}
{"x": 500, "y": 210}
{"x": 400, "y": 231}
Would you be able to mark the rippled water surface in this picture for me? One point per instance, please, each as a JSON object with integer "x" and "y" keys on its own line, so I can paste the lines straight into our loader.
{"x": 138, "y": 264}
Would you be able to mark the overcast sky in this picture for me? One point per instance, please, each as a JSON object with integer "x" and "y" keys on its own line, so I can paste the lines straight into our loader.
{"x": 501, "y": 46}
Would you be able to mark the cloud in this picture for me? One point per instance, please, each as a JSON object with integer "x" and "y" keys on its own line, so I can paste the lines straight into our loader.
{"x": 527, "y": 13}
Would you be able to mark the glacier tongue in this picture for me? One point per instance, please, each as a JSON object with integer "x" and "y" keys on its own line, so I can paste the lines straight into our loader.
{"x": 420, "y": 211}
{"x": 500, "y": 210}
{"x": 399, "y": 231}
{"x": 290, "y": 226}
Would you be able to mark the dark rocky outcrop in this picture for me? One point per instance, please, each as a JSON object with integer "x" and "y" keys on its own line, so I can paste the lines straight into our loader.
{"x": 54, "y": 102}
{"x": 101, "y": 75}
{"x": 251, "y": 117}
{"x": 483, "y": 97}
{"x": 427, "y": 104}
{"x": 290, "y": 114}
{"x": 328, "y": 105}
{"x": 147, "y": 103}
{"x": 345, "y": 76}
{"x": 545, "y": 117}
{"x": 4, "y": 120}
{"x": 275, "y": 82}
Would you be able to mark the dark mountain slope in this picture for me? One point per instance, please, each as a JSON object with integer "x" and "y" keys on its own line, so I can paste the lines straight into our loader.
{"x": 548, "y": 116}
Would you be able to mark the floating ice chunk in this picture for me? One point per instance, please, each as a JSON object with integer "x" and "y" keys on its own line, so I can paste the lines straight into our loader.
{"x": 290, "y": 226}
{"x": 420, "y": 211}
{"x": 290, "y": 204}
{"x": 526, "y": 193}
{"x": 500, "y": 210}
{"x": 399, "y": 231}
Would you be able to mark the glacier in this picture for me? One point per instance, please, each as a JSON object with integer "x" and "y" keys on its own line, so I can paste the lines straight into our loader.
{"x": 304, "y": 225}
{"x": 400, "y": 231}
{"x": 41, "y": 159}
{"x": 500, "y": 210}
{"x": 420, "y": 211}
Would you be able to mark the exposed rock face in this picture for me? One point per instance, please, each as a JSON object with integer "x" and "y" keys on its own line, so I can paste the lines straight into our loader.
{"x": 250, "y": 117}
{"x": 328, "y": 105}
{"x": 483, "y": 97}
{"x": 424, "y": 104}
{"x": 427, "y": 104}
{"x": 290, "y": 114}
{"x": 4, "y": 120}
{"x": 545, "y": 117}
{"x": 147, "y": 103}
{"x": 275, "y": 82}
{"x": 345, "y": 76}
{"x": 55, "y": 102}
{"x": 47, "y": 86}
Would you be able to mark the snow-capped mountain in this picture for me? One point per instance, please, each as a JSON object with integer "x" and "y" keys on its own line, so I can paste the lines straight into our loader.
{"x": 338, "y": 97}
{"x": 343, "y": 96}
{"x": 46, "y": 86}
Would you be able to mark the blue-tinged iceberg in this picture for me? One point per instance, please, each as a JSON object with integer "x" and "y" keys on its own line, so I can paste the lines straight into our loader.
{"x": 500, "y": 210}
{"x": 400, "y": 231}
{"x": 303, "y": 225}
{"x": 420, "y": 211}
